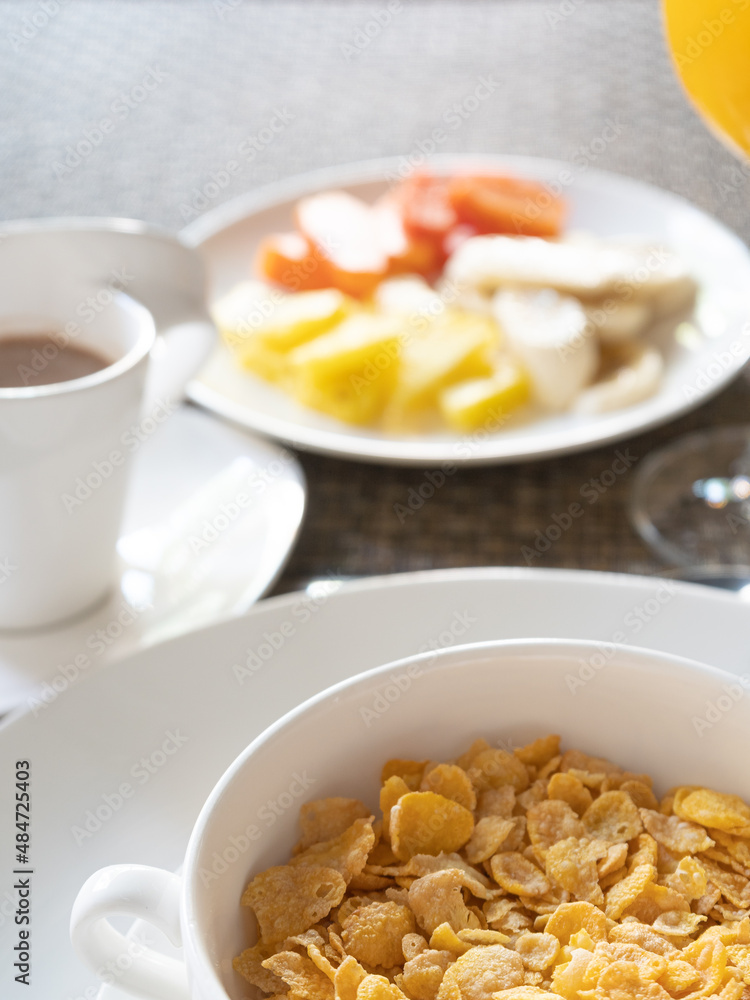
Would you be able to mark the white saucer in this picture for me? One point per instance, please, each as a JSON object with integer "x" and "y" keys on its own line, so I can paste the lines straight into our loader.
{"x": 192, "y": 551}
{"x": 219, "y": 687}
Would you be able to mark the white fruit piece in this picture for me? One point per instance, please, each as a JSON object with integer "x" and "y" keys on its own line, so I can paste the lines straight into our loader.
{"x": 576, "y": 268}
{"x": 636, "y": 380}
{"x": 553, "y": 340}
{"x": 583, "y": 266}
{"x": 407, "y": 296}
{"x": 661, "y": 277}
{"x": 617, "y": 320}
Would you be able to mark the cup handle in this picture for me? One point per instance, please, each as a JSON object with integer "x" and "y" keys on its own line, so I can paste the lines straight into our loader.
{"x": 178, "y": 352}
{"x": 152, "y": 894}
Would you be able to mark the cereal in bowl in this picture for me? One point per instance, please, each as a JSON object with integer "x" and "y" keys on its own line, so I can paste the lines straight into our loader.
{"x": 525, "y": 875}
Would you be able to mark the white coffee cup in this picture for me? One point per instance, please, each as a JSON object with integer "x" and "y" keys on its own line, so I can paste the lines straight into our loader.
{"x": 633, "y": 706}
{"x": 66, "y": 447}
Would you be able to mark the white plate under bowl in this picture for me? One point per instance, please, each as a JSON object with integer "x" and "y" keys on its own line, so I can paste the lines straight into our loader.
{"x": 602, "y": 203}
{"x": 216, "y": 689}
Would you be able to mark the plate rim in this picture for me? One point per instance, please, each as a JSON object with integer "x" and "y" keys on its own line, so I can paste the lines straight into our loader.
{"x": 416, "y": 578}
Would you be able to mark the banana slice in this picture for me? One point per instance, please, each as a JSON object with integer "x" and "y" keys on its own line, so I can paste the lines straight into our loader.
{"x": 660, "y": 277}
{"x": 638, "y": 378}
{"x": 551, "y": 337}
{"x": 469, "y": 299}
{"x": 616, "y": 321}
{"x": 580, "y": 268}
{"x": 583, "y": 266}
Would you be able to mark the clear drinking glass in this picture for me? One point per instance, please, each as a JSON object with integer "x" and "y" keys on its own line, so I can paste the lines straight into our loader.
{"x": 691, "y": 499}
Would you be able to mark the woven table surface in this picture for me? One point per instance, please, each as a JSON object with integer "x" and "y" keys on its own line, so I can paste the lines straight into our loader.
{"x": 185, "y": 83}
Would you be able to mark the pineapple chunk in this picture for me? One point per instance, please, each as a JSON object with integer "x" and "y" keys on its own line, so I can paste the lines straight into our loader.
{"x": 349, "y": 372}
{"x": 349, "y": 346}
{"x": 354, "y": 398}
{"x": 455, "y": 347}
{"x": 261, "y": 325}
{"x": 478, "y": 402}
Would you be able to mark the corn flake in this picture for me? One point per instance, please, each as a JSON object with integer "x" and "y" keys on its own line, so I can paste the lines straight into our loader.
{"x": 250, "y": 967}
{"x": 496, "y": 802}
{"x": 301, "y": 975}
{"x": 615, "y": 860}
{"x": 438, "y": 898}
{"x": 392, "y": 790}
{"x": 677, "y": 834}
{"x": 655, "y": 900}
{"x": 739, "y": 955}
{"x": 479, "y": 935}
{"x": 444, "y": 938}
{"x": 482, "y": 971}
{"x": 535, "y": 793}
{"x": 347, "y": 853}
{"x": 679, "y": 976}
{"x": 734, "y": 888}
{"x": 428, "y": 823}
{"x": 538, "y": 951}
{"x": 646, "y": 852}
{"x": 515, "y": 873}
{"x": 623, "y": 981}
{"x": 410, "y": 771}
{"x": 347, "y": 978}
{"x": 452, "y": 782}
{"x": 576, "y": 760}
{"x": 569, "y": 918}
{"x": 578, "y": 975}
{"x": 640, "y": 793}
{"x": 494, "y": 768}
{"x": 634, "y": 932}
{"x": 571, "y": 864}
{"x": 526, "y": 992}
{"x": 423, "y": 974}
{"x": 375, "y": 987}
{"x": 467, "y": 758}
{"x": 551, "y": 821}
{"x": 490, "y": 833}
{"x": 613, "y": 817}
{"x": 702, "y": 805}
{"x": 288, "y": 900}
{"x": 689, "y": 879}
{"x": 568, "y": 788}
{"x": 366, "y": 882}
{"x": 372, "y": 934}
{"x": 539, "y": 752}
{"x": 650, "y": 965}
{"x": 736, "y": 847}
{"x": 622, "y": 895}
{"x": 325, "y": 819}
{"x": 677, "y": 923}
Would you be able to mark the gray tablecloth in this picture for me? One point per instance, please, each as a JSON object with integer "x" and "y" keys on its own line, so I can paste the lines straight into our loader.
{"x": 132, "y": 108}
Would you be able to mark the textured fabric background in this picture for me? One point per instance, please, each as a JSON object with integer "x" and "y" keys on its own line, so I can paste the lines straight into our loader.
{"x": 182, "y": 84}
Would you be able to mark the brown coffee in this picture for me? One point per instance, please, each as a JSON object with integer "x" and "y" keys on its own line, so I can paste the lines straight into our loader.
{"x": 38, "y": 359}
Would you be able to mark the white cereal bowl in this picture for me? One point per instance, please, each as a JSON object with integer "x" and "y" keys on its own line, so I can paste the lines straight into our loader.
{"x": 677, "y": 720}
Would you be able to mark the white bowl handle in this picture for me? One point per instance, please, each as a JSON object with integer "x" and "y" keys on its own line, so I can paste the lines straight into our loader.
{"x": 151, "y": 894}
